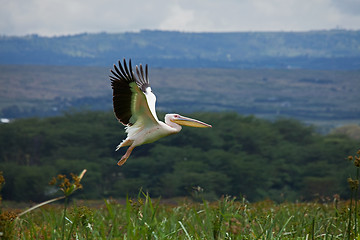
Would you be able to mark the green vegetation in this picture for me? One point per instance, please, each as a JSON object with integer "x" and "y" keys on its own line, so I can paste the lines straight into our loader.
{"x": 280, "y": 160}
{"x": 146, "y": 218}
{"x": 240, "y": 156}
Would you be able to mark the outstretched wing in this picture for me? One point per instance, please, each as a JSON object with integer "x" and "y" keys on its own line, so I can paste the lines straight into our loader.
{"x": 129, "y": 102}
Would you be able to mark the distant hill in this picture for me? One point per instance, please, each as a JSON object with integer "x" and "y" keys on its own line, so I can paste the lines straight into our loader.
{"x": 334, "y": 49}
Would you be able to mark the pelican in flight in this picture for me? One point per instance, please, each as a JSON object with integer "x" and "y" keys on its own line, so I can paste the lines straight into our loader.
{"x": 134, "y": 107}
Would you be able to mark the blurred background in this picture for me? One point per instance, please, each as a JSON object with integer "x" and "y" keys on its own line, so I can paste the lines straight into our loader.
{"x": 278, "y": 80}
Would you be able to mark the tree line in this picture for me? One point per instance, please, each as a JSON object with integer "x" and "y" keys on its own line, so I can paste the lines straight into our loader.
{"x": 240, "y": 156}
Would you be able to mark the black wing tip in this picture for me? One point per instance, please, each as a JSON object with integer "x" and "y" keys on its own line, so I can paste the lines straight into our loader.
{"x": 122, "y": 72}
{"x": 143, "y": 77}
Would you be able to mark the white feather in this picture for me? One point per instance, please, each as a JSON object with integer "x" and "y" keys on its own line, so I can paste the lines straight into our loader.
{"x": 151, "y": 101}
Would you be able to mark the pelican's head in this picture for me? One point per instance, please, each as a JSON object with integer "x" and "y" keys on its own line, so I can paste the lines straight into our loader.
{"x": 185, "y": 121}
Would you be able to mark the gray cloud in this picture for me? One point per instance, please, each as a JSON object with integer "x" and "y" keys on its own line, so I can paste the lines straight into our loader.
{"x": 348, "y": 6}
{"x": 61, "y": 17}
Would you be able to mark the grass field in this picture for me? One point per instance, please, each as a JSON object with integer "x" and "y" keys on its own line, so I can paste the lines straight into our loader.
{"x": 146, "y": 218}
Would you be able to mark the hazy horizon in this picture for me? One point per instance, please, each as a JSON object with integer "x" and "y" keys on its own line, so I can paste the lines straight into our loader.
{"x": 58, "y": 17}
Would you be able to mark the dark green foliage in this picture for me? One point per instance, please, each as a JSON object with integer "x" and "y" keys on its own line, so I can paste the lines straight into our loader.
{"x": 240, "y": 155}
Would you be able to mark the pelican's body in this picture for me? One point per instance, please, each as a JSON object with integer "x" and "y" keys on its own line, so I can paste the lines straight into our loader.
{"x": 134, "y": 106}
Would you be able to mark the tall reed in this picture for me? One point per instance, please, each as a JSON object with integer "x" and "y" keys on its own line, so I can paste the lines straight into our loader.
{"x": 354, "y": 197}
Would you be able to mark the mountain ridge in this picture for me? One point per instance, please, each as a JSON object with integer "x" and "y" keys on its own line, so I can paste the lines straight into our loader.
{"x": 326, "y": 49}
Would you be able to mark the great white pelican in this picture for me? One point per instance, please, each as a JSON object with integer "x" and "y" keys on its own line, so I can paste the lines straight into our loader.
{"x": 134, "y": 107}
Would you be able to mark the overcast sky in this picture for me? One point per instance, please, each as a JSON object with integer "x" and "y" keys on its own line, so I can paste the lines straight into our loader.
{"x": 64, "y": 17}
